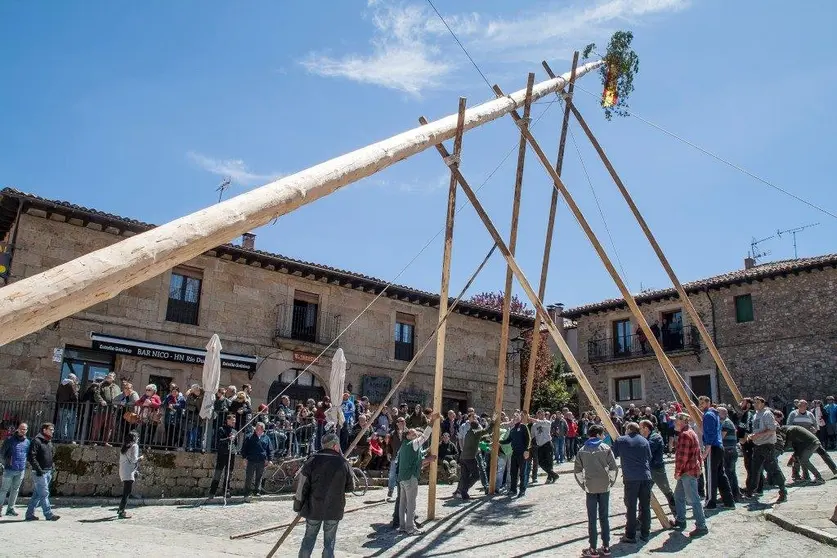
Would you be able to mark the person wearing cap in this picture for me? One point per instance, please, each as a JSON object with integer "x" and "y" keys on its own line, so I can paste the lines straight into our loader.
{"x": 320, "y": 497}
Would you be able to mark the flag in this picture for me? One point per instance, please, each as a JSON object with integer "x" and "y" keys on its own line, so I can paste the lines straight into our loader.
{"x": 609, "y": 95}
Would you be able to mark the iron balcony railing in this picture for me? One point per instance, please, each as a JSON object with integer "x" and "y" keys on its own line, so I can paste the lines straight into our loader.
{"x": 185, "y": 430}
{"x": 300, "y": 323}
{"x": 637, "y": 346}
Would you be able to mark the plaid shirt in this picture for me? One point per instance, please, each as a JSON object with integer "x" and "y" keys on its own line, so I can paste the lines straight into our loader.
{"x": 687, "y": 459}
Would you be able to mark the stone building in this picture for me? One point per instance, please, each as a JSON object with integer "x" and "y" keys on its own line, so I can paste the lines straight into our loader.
{"x": 274, "y": 315}
{"x": 775, "y": 325}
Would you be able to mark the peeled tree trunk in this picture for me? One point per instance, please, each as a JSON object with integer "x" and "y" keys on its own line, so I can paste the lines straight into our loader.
{"x": 35, "y": 302}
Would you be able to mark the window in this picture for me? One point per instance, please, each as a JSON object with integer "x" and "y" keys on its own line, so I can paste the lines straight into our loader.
{"x": 628, "y": 389}
{"x": 87, "y": 365}
{"x": 184, "y": 297}
{"x": 405, "y": 326}
{"x": 621, "y": 337}
{"x": 743, "y": 309}
{"x": 672, "y": 330}
{"x": 304, "y": 316}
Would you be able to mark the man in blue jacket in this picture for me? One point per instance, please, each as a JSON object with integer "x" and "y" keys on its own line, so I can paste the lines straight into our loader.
{"x": 256, "y": 450}
{"x": 520, "y": 440}
{"x": 15, "y": 452}
{"x": 635, "y": 454}
{"x": 713, "y": 456}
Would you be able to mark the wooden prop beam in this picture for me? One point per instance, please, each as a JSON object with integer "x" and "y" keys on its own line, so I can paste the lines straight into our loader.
{"x": 389, "y": 395}
{"x": 443, "y": 308}
{"x": 507, "y": 292}
{"x": 668, "y": 368}
{"x": 687, "y": 302}
{"x": 547, "y": 248}
{"x": 35, "y": 302}
{"x": 551, "y": 327}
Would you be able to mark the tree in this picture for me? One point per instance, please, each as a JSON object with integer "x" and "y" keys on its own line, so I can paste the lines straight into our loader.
{"x": 494, "y": 300}
{"x": 620, "y": 67}
{"x": 552, "y": 392}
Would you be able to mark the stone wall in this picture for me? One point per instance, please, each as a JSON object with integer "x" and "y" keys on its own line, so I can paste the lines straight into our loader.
{"x": 94, "y": 471}
{"x": 788, "y": 351}
{"x": 240, "y": 303}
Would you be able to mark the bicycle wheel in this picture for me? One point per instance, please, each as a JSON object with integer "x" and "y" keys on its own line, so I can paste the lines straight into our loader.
{"x": 360, "y": 482}
{"x": 277, "y": 482}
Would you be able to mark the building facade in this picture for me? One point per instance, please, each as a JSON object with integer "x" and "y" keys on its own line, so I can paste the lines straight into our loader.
{"x": 274, "y": 316}
{"x": 775, "y": 326}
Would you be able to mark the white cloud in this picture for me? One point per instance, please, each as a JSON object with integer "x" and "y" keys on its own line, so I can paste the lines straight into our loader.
{"x": 236, "y": 169}
{"x": 412, "y": 51}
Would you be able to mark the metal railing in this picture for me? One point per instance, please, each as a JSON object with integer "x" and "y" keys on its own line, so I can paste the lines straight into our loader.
{"x": 686, "y": 338}
{"x": 300, "y": 324}
{"x": 183, "y": 430}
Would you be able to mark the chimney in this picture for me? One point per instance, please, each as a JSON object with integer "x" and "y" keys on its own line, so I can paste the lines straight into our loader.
{"x": 749, "y": 262}
{"x": 248, "y": 241}
{"x": 556, "y": 312}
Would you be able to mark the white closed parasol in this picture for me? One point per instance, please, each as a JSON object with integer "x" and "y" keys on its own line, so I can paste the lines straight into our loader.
{"x": 337, "y": 380}
{"x": 211, "y": 375}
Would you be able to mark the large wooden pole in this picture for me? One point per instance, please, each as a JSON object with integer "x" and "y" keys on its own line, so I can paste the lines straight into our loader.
{"x": 35, "y": 302}
{"x": 443, "y": 308}
{"x": 668, "y": 368}
{"x": 551, "y": 327}
{"x": 507, "y": 292}
{"x": 547, "y": 247}
{"x": 687, "y": 302}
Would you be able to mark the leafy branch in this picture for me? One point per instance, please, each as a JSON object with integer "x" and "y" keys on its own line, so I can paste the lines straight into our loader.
{"x": 620, "y": 67}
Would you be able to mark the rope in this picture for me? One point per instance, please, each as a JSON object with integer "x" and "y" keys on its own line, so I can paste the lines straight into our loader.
{"x": 455, "y": 38}
{"x": 722, "y": 160}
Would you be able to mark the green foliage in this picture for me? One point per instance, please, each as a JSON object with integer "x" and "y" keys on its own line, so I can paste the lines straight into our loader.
{"x": 552, "y": 392}
{"x": 622, "y": 58}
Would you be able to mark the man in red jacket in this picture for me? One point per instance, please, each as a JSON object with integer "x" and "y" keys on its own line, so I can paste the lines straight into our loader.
{"x": 687, "y": 468}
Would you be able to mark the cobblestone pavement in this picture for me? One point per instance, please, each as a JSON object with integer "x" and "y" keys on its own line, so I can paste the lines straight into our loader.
{"x": 549, "y": 521}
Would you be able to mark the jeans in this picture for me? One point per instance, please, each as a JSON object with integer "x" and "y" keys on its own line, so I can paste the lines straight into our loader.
{"x": 11, "y": 487}
{"x": 571, "y": 448}
{"x": 686, "y": 490}
{"x": 638, "y": 492}
{"x": 393, "y": 475}
{"x": 518, "y": 472}
{"x": 558, "y": 442}
{"x": 40, "y": 495}
{"x": 764, "y": 459}
{"x": 598, "y": 505}
{"x": 716, "y": 477}
{"x": 502, "y": 468}
{"x": 482, "y": 471}
{"x": 254, "y": 468}
{"x": 194, "y": 438}
{"x": 730, "y": 460}
{"x": 312, "y": 529}
{"x": 407, "y": 492}
{"x": 126, "y": 492}
{"x": 66, "y": 423}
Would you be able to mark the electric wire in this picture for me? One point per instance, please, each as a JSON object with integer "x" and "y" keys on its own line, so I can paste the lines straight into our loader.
{"x": 455, "y": 38}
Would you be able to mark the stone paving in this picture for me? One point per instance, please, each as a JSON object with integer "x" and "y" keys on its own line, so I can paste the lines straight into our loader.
{"x": 549, "y": 521}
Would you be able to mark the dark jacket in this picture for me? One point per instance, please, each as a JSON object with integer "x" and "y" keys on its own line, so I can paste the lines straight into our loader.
{"x": 472, "y": 440}
{"x": 106, "y": 394}
{"x": 447, "y": 451}
{"x": 655, "y": 442}
{"x": 40, "y": 454}
{"x": 395, "y": 440}
{"x": 520, "y": 438}
{"x": 67, "y": 393}
{"x": 15, "y": 452}
{"x": 799, "y": 438}
{"x": 257, "y": 450}
{"x": 635, "y": 453}
{"x": 226, "y": 440}
{"x": 324, "y": 481}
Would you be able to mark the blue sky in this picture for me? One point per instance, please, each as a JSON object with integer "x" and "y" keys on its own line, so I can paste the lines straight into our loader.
{"x": 142, "y": 109}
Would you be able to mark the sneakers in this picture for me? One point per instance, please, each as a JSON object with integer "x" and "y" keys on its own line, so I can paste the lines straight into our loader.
{"x": 678, "y": 525}
{"x": 53, "y": 517}
{"x": 625, "y": 540}
{"x": 590, "y": 552}
{"x": 12, "y": 512}
{"x": 711, "y": 506}
{"x": 604, "y": 551}
{"x": 123, "y": 515}
{"x": 818, "y": 481}
{"x": 698, "y": 532}
{"x": 783, "y": 497}
{"x": 457, "y": 496}
{"x": 32, "y": 518}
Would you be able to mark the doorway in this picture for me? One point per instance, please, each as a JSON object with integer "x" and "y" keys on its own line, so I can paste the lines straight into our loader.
{"x": 454, "y": 401}
{"x": 672, "y": 330}
{"x": 701, "y": 385}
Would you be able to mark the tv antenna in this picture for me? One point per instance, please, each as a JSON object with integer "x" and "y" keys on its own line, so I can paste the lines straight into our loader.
{"x": 793, "y": 232}
{"x": 755, "y": 253}
{"x": 222, "y": 187}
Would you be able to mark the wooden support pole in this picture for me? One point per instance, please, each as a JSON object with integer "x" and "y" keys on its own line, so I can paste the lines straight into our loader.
{"x": 507, "y": 292}
{"x": 443, "y": 308}
{"x": 35, "y": 302}
{"x": 684, "y": 297}
{"x": 668, "y": 368}
{"x": 553, "y": 329}
{"x": 547, "y": 248}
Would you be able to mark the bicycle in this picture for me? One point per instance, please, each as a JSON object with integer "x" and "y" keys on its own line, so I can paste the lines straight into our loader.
{"x": 360, "y": 482}
{"x": 279, "y": 480}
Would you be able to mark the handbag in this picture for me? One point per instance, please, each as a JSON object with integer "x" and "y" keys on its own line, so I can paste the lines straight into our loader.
{"x": 130, "y": 417}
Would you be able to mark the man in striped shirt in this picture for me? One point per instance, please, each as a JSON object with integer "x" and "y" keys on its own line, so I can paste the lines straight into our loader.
{"x": 687, "y": 468}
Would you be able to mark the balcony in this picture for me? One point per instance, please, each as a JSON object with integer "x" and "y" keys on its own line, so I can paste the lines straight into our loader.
{"x": 630, "y": 347}
{"x": 296, "y": 323}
